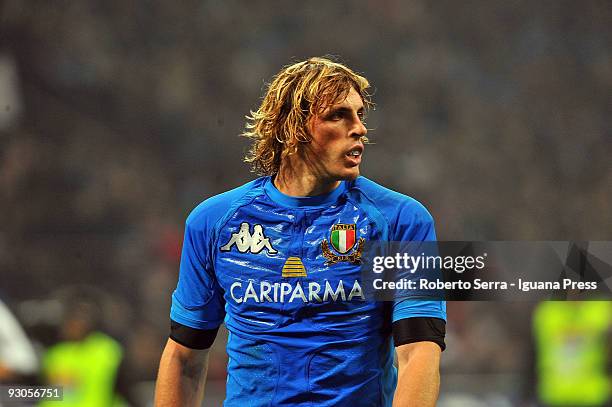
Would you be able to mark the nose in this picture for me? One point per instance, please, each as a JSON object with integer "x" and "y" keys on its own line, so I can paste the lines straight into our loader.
{"x": 359, "y": 129}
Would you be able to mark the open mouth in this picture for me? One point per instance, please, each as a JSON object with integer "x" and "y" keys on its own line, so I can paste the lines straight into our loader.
{"x": 355, "y": 152}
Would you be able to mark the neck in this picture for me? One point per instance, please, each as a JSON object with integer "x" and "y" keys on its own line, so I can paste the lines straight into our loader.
{"x": 301, "y": 181}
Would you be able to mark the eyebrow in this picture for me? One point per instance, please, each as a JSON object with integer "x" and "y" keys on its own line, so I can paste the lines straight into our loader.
{"x": 344, "y": 109}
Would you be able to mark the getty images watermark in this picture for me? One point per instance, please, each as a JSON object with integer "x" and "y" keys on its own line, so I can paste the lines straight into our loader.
{"x": 504, "y": 271}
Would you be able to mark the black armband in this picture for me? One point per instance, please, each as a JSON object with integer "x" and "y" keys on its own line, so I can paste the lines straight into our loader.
{"x": 191, "y": 337}
{"x": 409, "y": 330}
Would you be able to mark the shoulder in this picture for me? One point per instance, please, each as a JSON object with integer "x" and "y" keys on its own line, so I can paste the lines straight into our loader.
{"x": 394, "y": 205}
{"x": 211, "y": 210}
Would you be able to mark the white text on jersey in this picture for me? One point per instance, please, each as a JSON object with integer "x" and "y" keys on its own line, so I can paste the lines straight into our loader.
{"x": 265, "y": 291}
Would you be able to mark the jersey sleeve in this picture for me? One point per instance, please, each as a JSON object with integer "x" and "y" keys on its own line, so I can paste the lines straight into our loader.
{"x": 197, "y": 301}
{"x": 415, "y": 224}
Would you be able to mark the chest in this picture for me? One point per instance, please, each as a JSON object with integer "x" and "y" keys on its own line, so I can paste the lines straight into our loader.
{"x": 260, "y": 242}
{"x": 298, "y": 268}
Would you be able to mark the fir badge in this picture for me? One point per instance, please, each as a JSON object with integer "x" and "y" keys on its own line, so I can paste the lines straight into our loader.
{"x": 343, "y": 238}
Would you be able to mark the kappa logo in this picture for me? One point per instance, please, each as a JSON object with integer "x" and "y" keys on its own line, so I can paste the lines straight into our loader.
{"x": 246, "y": 241}
{"x": 343, "y": 239}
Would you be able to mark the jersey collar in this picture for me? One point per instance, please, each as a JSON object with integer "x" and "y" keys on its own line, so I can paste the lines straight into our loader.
{"x": 302, "y": 201}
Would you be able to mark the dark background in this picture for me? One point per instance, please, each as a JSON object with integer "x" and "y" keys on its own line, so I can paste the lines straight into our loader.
{"x": 118, "y": 117}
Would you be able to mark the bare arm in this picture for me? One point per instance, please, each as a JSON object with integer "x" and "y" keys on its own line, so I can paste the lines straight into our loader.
{"x": 181, "y": 377}
{"x": 419, "y": 375}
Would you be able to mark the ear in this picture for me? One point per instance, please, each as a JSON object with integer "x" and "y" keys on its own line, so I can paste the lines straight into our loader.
{"x": 311, "y": 122}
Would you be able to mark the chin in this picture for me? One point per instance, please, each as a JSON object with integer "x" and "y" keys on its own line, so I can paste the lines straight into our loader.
{"x": 349, "y": 175}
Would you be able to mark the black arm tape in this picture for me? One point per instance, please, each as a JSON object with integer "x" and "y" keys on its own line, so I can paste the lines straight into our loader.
{"x": 419, "y": 329}
{"x": 191, "y": 337}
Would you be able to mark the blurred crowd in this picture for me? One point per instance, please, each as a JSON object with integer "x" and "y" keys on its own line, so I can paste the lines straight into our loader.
{"x": 117, "y": 118}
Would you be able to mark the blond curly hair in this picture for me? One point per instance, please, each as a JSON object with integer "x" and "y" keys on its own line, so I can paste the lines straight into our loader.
{"x": 297, "y": 93}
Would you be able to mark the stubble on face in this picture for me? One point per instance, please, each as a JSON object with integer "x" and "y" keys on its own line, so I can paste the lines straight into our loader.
{"x": 333, "y": 153}
{"x": 336, "y": 146}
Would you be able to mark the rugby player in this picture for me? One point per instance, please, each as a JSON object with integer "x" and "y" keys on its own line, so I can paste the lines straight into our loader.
{"x": 277, "y": 260}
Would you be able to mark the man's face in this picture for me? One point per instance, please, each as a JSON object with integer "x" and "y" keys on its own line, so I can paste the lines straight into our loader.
{"x": 336, "y": 148}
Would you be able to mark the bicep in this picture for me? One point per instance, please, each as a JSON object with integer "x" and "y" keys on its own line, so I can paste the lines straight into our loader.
{"x": 184, "y": 354}
{"x": 178, "y": 363}
{"x": 182, "y": 375}
{"x": 427, "y": 350}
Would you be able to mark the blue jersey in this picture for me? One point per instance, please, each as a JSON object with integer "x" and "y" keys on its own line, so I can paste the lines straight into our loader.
{"x": 283, "y": 274}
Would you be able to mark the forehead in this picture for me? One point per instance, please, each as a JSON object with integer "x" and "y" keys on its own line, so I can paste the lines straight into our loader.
{"x": 352, "y": 100}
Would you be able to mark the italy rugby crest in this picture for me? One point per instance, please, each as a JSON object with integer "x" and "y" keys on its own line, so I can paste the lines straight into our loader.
{"x": 343, "y": 238}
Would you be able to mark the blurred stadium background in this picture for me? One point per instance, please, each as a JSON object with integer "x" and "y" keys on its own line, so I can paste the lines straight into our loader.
{"x": 118, "y": 117}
